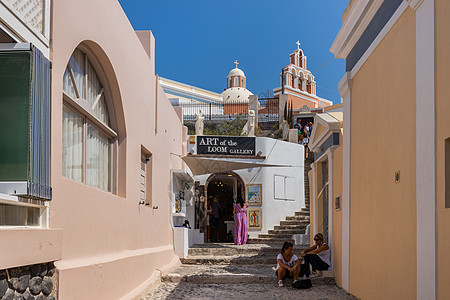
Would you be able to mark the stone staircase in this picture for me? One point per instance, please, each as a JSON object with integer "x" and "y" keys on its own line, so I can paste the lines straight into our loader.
{"x": 224, "y": 263}
{"x": 226, "y": 271}
{"x": 295, "y": 224}
{"x": 308, "y": 162}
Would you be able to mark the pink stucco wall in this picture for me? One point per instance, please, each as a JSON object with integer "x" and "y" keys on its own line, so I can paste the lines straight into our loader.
{"x": 111, "y": 246}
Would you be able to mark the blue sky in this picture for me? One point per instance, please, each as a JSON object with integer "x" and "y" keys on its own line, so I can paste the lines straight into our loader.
{"x": 197, "y": 41}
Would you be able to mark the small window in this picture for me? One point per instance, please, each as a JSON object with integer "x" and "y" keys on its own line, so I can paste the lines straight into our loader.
{"x": 145, "y": 178}
{"x": 337, "y": 203}
{"x": 236, "y": 81}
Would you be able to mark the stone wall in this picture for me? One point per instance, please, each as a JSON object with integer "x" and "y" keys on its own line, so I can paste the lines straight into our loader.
{"x": 35, "y": 282}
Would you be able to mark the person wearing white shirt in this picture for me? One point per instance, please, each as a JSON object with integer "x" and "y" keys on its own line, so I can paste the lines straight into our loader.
{"x": 318, "y": 256}
{"x": 288, "y": 265}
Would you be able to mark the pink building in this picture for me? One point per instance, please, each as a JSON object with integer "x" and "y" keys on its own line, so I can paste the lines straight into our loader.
{"x": 112, "y": 143}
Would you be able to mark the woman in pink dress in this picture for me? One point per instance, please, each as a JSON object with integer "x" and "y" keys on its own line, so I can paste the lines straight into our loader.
{"x": 240, "y": 222}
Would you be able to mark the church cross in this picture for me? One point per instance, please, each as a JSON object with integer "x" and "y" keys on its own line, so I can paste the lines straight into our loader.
{"x": 236, "y": 63}
{"x": 298, "y": 45}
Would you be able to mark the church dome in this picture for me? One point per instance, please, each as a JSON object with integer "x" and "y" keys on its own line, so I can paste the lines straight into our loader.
{"x": 236, "y": 94}
{"x": 236, "y": 72}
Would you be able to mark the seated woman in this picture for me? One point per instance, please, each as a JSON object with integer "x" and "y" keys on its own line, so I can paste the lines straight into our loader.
{"x": 318, "y": 256}
{"x": 288, "y": 264}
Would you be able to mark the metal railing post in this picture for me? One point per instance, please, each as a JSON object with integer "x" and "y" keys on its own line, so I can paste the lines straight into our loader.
{"x": 210, "y": 111}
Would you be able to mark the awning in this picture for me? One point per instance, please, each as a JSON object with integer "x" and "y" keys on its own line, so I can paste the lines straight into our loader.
{"x": 204, "y": 165}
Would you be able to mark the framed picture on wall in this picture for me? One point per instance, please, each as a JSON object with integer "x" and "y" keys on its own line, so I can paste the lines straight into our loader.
{"x": 254, "y": 217}
{"x": 254, "y": 194}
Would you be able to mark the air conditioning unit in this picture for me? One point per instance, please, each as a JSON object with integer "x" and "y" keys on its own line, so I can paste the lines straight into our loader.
{"x": 24, "y": 122}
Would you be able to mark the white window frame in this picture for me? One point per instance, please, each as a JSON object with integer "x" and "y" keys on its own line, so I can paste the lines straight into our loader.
{"x": 82, "y": 107}
{"x": 287, "y": 192}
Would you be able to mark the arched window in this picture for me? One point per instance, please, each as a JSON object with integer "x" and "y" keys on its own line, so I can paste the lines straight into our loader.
{"x": 87, "y": 135}
{"x": 236, "y": 81}
{"x": 300, "y": 81}
{"x": 308, "y": 87}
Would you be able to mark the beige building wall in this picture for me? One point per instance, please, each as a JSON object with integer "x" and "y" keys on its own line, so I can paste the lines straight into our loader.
{"x": 311, "y": 207}
{"x": 320, "y": 131}
{"x": 442, "y": 133}
{"x": 318, "y": 213}
{"x": 383, "y": 141}
{"x": 337, "y": 214}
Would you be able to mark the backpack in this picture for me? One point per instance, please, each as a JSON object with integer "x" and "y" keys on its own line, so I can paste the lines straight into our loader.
{"x": 302, "y": 284}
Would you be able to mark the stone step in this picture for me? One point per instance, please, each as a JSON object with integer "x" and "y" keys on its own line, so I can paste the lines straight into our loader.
{"x": 298, "y": 218}
{"x": 228, "y": 260}
{"x": 277, "y": 236}
{"x": 292, "y": 223}
{"x": 303, "y": 215}
{"x": 303, "y": 212}
{"x": 228, "y": 274}
{"x": 278, "y": 241}
{"x": 287, "y": 231}
{"x": 227, "y": 249}
{"x": 287, "y": 227}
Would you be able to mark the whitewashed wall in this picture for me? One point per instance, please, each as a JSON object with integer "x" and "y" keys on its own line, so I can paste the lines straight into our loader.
{"x": 277, "y": 152}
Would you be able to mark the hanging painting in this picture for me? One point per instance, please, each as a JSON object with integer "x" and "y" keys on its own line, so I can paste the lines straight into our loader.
{"x": 254, "y": 194}
{"x": 254, "y": 218}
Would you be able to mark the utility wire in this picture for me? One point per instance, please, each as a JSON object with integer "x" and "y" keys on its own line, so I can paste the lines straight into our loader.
{"x": 320, "y": 87}
{"x": 323, "y": 65}
{"x": 321, "y": 68}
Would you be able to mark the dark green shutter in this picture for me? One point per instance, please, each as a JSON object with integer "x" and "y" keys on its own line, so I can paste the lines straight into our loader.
{"x": 25, "y": 123}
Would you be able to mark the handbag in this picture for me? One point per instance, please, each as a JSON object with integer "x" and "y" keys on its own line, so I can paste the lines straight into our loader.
{"x": 302, "y": 284}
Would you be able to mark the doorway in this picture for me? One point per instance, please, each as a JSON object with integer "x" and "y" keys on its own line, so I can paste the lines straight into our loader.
{"x": 222, "y": 191}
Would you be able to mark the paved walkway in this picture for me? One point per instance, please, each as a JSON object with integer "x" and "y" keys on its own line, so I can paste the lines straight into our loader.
{"x": 186, "y": 291}
{"x": 227, "y": 271}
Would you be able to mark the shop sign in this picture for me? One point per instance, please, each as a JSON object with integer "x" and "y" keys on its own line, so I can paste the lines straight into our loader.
{"x": 226, "y": 145}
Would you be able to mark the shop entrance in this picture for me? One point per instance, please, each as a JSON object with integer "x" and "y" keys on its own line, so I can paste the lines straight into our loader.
{"x": 222, "y": 190}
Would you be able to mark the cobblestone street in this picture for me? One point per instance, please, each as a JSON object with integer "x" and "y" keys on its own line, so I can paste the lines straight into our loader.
{"x": 227, "y": 271}
{"x": 184, "y": 290}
